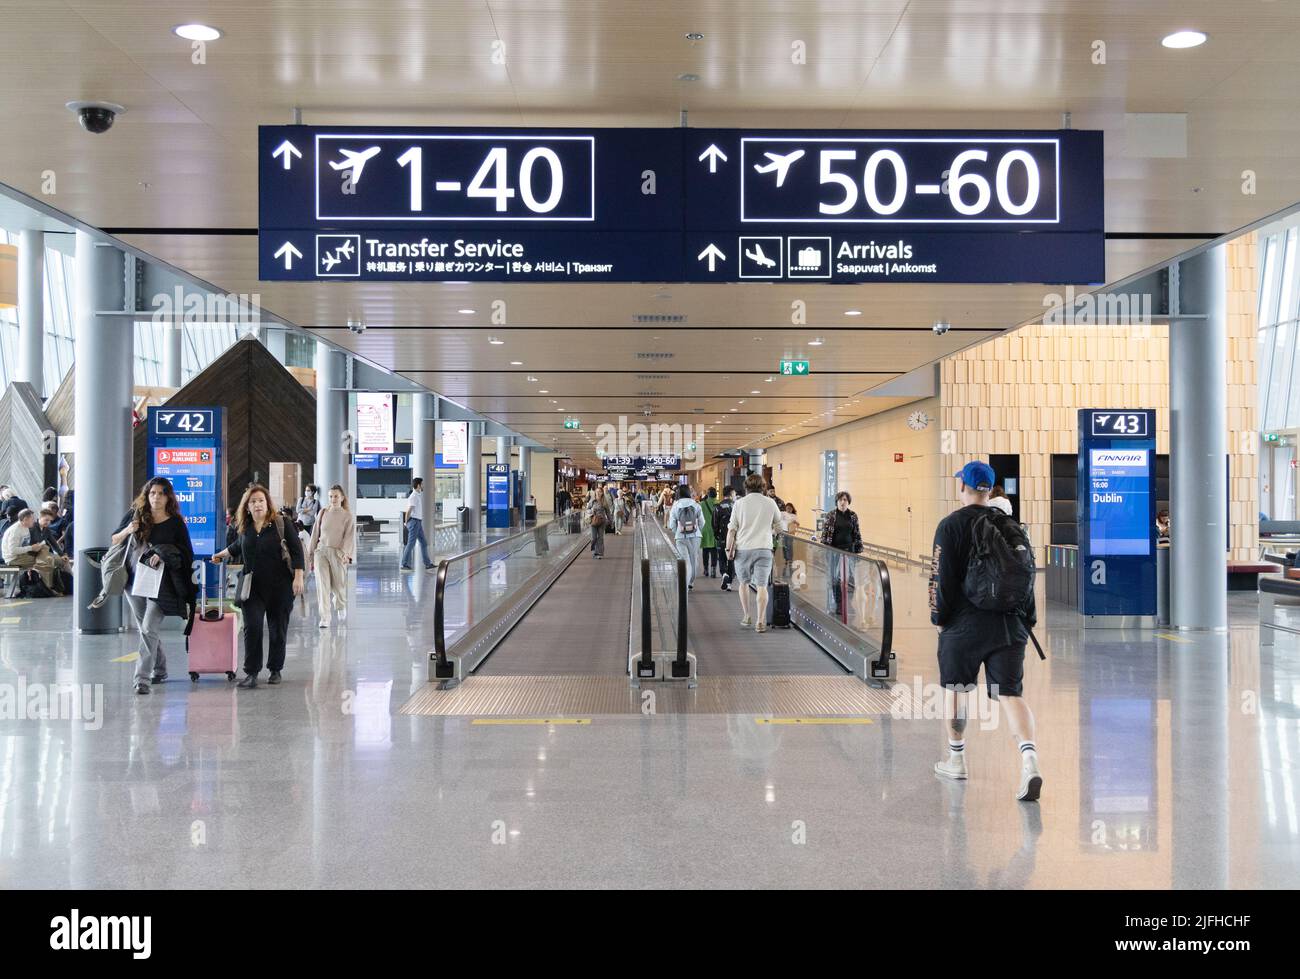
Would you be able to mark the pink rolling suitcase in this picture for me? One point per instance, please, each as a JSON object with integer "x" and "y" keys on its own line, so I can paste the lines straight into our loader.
{"x": 213, "y": 643}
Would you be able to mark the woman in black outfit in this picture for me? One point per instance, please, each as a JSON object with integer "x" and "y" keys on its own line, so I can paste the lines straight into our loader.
{"x": 270, "y": 550}
{"x": 159, "y": 538}
{"x": 840, "y": 531}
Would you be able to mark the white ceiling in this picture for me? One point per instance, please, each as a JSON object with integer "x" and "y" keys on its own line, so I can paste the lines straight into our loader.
{"x": 183, "y": 159}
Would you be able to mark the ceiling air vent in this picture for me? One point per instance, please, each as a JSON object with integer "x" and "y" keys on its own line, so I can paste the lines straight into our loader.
{"x": 654, "y": 355}
{"x": 649, "y": 394}
{"x": 658, "y": 318}
{"x": 652, "y": 377}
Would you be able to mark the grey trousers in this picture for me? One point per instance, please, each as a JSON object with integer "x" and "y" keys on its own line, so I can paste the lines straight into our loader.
{"x": 148, "y": 616}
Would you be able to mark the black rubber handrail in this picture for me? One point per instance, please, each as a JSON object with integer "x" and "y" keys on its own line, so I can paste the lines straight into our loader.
{"x": 647, "y": 642}
{"x": 444, "y": 669}
{"x": 680, "y": 667}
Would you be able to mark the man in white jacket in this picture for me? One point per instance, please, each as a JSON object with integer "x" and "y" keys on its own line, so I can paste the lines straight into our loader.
{"x": 17, "y": 552}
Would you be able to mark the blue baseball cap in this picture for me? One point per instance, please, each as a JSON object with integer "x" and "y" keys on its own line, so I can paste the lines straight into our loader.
{"x": 977, "y": 475}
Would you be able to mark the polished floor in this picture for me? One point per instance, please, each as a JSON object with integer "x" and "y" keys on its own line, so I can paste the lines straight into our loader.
{"x": 1170, "y": 761}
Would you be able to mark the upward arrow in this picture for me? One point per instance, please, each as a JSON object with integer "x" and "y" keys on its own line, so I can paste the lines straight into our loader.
{"x": 713, "y": 155}
{"x": 288, "y": 151}
{"x": 713, "y": 254}
{"x": 288, "y": 253}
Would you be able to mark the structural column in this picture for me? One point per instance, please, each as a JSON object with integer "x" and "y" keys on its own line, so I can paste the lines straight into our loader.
{"x": 173, "y": 353}
{"x": 331, "y": 415}
{"x": 525, "y": 484}
{"x": 31, "y": 310}
{"x": 105, "y": 355}
{"x": 422, "y": 424}
{"x": 503, "y": 450}
{"x": 473, "y": 469}
{"x": 1198, "y": 449}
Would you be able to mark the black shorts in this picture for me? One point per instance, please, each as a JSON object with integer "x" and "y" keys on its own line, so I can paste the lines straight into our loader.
{"x": 1004, "y": 667}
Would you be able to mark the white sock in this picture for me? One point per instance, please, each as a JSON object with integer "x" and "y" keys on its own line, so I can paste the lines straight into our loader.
{"x": 1028, "y": 752}
{"x": 956, "y": 749}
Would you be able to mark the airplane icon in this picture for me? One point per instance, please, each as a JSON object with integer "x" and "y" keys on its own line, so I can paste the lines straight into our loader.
{"x": 781, "y": 164}
{"x": 166, "y": 416}
{"x": 333, "y": 258}
{"x": 757, "y": 255}
{"x": 355, "y": 160}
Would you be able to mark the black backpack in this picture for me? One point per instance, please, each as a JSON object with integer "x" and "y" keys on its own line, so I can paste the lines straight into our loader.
{"x": 1000, "y": 573}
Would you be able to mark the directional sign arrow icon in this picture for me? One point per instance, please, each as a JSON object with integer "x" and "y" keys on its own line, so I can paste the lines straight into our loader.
{"x": 713, "y": 154}
{"x": 288, "y": 151}
{"x": 801, "y": 368}
{"x": 713, "y": 255}
{"x": 288, "y": 253}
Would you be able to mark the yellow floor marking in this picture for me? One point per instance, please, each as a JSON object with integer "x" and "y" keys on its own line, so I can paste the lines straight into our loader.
{"x": 1171, "y": 638}
{"x": 531, "y": 720}
{"x": 813, "y": 720}
{"x": 15, "y": 604}
{"x": 10, "y": 620}
{"x": 128, "y": 658}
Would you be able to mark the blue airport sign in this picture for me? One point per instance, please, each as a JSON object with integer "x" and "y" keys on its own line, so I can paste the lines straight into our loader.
{"x": 626, "y": 205}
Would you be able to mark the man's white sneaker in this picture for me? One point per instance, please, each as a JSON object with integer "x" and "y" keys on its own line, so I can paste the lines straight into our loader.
{"x": 746, "y": 622}
{"x": 1031, "y": 780}
{"x": 952, "y": 767}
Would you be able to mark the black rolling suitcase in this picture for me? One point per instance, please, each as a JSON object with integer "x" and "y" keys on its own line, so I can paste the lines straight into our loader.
{"x": 778, "y": 607}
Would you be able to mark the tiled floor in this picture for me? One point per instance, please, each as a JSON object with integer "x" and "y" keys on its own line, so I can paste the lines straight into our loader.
{"x": 1170, "y": 761}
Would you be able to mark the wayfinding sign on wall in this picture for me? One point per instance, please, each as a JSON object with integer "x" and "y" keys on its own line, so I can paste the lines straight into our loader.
{"x": 693, "y": 205}
{"x": 1117, "y": 512}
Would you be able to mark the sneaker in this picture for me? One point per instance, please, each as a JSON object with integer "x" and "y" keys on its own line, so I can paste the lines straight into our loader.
{"x": 953, "y": 767}
{"x": 761, "y": 627}
{"x": 158, "y": 677}
{"x": 746, "y": 622}
{"x": 407, "y": 569}
{"x": 724, "y": 587}
{"x": 274, "y": 677}
{"x": 1031, "y": 780}
{"x": 249, "y": 682}
{"x": 324, "y": 623}
{"x": 343, "y": 615}
{"x": 142, "y": 687}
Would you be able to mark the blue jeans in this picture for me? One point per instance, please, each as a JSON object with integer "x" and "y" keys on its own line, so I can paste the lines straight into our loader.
{"x": 415, "y": 532}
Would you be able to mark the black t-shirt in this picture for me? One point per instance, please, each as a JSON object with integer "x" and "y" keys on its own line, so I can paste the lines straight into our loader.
{"x": 949, "y": 607}
{"x": 260, "y": 552}
{"x": 843, "y": 535}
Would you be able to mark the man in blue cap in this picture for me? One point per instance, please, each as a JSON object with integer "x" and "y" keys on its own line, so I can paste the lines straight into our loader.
{"x": 970, "y": 637}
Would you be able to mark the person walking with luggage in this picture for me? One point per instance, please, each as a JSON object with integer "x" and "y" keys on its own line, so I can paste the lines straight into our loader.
{"x": 840, "y": 531}
{"x": 708, "y": 539}
{"x": 157, "y": 537}
{"x": 685, "y": 519}
{"x": 598, "y": 517}
{"x": 754, "y": 519}
{"x": 331, "y": 549}
{"x": 982, "y": 601}
{"x": 414, "y": 524}
{"x": 790, "y": 527}
{"x": 721, "y": 521}
{"x": 272, "y": 577}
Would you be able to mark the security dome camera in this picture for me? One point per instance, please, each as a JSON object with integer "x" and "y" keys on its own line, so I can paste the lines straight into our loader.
{"x": 941, "y": 327}
{"x": 357, "y": 326}
{"x": 96, "y": 117}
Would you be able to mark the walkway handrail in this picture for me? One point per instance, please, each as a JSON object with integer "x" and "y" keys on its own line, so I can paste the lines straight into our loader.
{"x": 681, "y": 667}
{"x": 444, "y": 669}
{"x": 643, "y": 559}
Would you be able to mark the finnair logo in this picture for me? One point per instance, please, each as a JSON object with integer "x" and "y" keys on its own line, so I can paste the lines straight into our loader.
{"x": 1103, "y": 457}
{"x": 103, "y": 933}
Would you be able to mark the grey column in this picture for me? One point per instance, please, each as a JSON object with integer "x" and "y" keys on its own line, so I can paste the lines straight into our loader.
{"x": 473, "y": 468}
{"x": 1201, "y": 702}
{"x": 525, "y": 487}
{"x": 1198, "y": 445}
{"x": 503, "y": 450}
{"x": 31, "y": 310}
{"x": 331, "y": 415}
{"x": 173, "y": 353}
{"x": 103, "y": 387}
{"x": 422, "y": 426}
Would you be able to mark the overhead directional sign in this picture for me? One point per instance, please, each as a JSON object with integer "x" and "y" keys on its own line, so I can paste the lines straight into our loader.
{"x": 795, "y": 368}
{"x": 696, "y": 205}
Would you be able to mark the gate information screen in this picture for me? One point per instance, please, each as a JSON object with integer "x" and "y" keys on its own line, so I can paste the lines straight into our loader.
{"x": 1119, "y": 501}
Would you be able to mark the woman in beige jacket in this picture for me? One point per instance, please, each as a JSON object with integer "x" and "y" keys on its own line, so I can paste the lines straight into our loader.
{"x": 332, "y": 549}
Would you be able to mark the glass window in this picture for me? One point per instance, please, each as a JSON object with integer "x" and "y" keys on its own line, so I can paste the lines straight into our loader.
{"x": 1280, "y": 377}
{"x": 1268, "y": 282}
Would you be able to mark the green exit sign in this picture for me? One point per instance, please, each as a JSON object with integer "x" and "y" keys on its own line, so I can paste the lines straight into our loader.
{"x": 795, "y": 368}
{"x": 572, "y": 423}
{"x": 1272, "y": 437}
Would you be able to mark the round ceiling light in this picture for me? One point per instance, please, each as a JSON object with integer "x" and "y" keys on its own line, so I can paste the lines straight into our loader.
{"x": 495, "y": 341}
{"x": 853, "y": 312}
{"x": 1184, "y": 39}
{"x": 467, "y": 312}
{"x": 196, "y": 32}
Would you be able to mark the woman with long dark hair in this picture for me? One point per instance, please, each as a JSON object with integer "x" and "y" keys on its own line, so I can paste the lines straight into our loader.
{"x": 160, "y": 539}
{"x": 270, "y": 551}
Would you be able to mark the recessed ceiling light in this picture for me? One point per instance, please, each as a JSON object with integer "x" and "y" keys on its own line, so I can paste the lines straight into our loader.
{"x": 467, "y": 312}
{"x": 516, "y": 363}
{"x": 196, "y": 32}
{"x": 853, "y": 312}
{"x": 495, "y": 341}
{"x": 532, "y": 379}
{"x": 543, "y": 392}
{"x": 688, "y": 77}
{"x": 735, "y": 409}
{"x": 695, "y": 36}
{"x": 1184, "y": 39}
{"x": 816, "y": 341}
{"x": 753, "y": 392}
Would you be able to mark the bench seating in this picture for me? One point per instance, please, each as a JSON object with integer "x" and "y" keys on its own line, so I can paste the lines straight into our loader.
{"x": 1242, "y": 575}
{"x": 10, "y": 576}
{"x": 1271, "y": 588}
